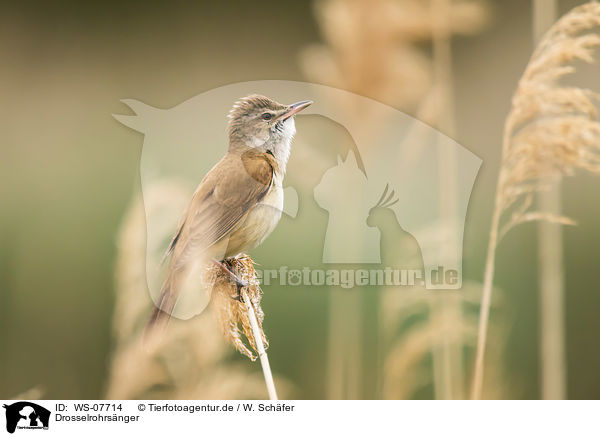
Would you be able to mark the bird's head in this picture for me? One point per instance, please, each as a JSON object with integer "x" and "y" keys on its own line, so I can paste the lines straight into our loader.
{"x": 259, "y": 122}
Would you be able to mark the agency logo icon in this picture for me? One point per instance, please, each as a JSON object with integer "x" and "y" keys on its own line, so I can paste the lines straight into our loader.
{"x": 24, "y": 415}
{"x": 400, "y": 180}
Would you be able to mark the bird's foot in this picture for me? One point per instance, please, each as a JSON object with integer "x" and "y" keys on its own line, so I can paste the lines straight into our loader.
{"x": 239, "y": 282}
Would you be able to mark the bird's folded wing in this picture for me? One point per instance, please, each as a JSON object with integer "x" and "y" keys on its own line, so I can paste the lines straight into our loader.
{"x": 225, "y": 195}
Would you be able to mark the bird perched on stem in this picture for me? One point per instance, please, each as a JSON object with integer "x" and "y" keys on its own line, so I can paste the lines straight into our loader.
{"x": 237, "y": 204}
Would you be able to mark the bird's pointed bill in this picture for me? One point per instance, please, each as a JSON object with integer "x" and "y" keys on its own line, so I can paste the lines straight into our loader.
{"x": 294, "y": 108}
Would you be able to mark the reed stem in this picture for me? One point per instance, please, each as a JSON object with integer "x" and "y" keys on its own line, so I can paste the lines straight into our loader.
{"x": 486, "y": 299}
{"x": 550, "y": 259}
{"x": 551, "y": 295}
{"x": 447, "y": 362}
{"x": 260, "y": 348}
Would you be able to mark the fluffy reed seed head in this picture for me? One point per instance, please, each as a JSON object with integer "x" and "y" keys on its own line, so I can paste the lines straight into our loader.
{"x": 229, "y": 309}
{"x": 552, "y": 129}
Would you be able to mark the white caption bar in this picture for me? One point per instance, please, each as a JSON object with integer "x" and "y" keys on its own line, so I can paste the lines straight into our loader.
{"x": 299, "y": 417}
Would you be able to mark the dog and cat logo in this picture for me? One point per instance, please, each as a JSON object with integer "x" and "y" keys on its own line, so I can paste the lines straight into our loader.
{"x": 404, "y": 185}
{"x": 26, "y": 415}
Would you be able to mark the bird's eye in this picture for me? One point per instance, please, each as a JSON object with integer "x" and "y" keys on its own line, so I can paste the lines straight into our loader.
{"x": 266, "y": 116}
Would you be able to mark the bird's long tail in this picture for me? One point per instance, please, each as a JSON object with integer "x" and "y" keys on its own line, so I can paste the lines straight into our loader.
{"x": 161, "y": 314}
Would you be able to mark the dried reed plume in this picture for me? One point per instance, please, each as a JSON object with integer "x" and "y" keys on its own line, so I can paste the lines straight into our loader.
{"x": 191, "y": 360}
{"x": 550, "y": 131}
{"x": 234, "y": 310}
{"x": 420, "y": 328}
{"x": 372, "y": 47}
{"x": 231, "y": 311}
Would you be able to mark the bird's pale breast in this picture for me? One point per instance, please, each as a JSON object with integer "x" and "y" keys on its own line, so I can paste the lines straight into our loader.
{"x": 260, "y": 221}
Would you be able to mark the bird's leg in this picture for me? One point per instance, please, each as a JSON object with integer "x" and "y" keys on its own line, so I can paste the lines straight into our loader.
{"x": 240, "y": 283}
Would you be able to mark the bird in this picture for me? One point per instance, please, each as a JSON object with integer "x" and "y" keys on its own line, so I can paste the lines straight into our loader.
{"x": 239, "y": 201}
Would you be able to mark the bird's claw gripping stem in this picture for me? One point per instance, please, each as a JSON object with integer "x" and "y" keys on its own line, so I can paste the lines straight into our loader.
{"x": 240, "y": 283}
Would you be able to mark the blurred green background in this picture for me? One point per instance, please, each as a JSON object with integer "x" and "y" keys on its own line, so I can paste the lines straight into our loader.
{"x": 69, "y": 171}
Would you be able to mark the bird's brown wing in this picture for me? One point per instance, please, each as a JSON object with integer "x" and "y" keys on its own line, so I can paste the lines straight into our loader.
{"x": 225, "y": 195}
{"x": 229, "y": 190}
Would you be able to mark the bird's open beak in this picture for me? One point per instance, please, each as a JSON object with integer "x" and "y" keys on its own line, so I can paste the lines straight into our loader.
{"x": 294, "y": 108}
